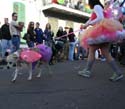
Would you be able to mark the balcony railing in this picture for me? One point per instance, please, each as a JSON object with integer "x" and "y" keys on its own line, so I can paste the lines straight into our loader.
{"x": 65, "y": 13}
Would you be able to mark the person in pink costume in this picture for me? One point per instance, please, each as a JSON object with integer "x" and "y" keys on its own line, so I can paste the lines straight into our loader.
{"x": 108, "y": 10}
{"x": 102, "y": 31}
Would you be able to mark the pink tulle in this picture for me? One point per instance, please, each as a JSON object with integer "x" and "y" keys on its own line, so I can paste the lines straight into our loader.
{"x": 107, "y": 29}
{"x": 30, "y": 56}
{"x": 103, "y": 31}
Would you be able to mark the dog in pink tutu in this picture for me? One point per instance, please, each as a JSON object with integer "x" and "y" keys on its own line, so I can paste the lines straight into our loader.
{"x": 31, "y": 58}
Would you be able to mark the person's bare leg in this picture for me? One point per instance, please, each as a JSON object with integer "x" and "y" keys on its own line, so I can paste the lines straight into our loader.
{"x": 91, "y": 57}
{"x": 117, "y": 72}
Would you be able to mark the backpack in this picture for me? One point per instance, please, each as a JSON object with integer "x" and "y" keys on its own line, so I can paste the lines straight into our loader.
{"x": 26, "y": 36}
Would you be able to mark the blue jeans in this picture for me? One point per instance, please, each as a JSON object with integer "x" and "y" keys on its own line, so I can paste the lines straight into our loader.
{"x": 15, "y": 42}
{"x": 71, "y": 51}
{"x": 48, "y": 43}
{"x": 5, "y": 44}
{"x": 30, "y": 44}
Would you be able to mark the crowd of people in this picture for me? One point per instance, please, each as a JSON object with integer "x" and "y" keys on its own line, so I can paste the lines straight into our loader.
{"x": 64, "y": 43}
{"x": 74, "y": 4}
{"x": 97, "y": 34}
{"x": 10, "y": 34}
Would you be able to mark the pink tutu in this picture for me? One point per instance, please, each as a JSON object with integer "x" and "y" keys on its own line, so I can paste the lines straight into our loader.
{"x": 105, "y": 31}
{"x": 30, "y": 56}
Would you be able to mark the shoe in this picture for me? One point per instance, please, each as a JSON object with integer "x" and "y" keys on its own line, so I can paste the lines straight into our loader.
{"x": 103, "y": 59}
{"x": 85, "y": 73}
{"x": 116, "y": 77}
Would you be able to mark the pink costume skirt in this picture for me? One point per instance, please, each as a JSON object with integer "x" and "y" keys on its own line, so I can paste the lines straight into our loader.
{"x": 30, "y": 56}
{"x": 108, "y": 30}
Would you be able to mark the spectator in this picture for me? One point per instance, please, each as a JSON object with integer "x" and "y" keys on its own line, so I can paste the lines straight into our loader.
{"x": 60, "y": 43}
{"x": 66, "y": 45}
{"x": 48, "y": 35}
{"x": 39, "y": 34}
{"x": 0, "y": 34}
{"x": 70, "y": 4}
{"x": 0, "y": 44}
{"x": 32, "y": 35}
{"x": 14, "y": 31}
{"x": 6, "y": 41}
{"x": 79, "y": 5}
{"x": 71, "y": 37}
{"x": 0, "y": 50}
{"x": 60, "y": 33}
{"x": 80, "y": 49}
{"x": 122, "y": 44}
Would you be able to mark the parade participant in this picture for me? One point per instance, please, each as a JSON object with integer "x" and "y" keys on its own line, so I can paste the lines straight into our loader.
{"x": 101, "y": 32}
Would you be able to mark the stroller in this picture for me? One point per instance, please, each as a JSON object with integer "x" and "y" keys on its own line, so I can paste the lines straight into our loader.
{"x": 57, "y": 51}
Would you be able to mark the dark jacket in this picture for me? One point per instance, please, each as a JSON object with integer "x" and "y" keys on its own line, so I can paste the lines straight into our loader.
{"x": 65, "y": 37}
{"x": 59, "y": 35}
{"x": 39, "y": 35}
{"x": 71, "y": 36}
{"x": 32, "y": 34}
{"x": 48, "y": 35}
{"x": 0, "y": 34}
{"x": 5, "y": 32}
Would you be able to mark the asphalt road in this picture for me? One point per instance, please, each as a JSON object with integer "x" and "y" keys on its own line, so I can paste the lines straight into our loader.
{"x": 64, "y": 89}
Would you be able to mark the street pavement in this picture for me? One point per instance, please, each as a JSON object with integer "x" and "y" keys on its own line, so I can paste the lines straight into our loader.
{"x": 64, "y": 89}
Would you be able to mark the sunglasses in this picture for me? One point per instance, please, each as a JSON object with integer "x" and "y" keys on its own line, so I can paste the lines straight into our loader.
{"x": 32, "y": 23}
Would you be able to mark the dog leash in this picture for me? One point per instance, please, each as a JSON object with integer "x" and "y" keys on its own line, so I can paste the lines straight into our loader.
{"x": 66, "y": 35}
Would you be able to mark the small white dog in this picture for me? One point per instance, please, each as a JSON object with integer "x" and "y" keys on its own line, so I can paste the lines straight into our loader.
{"x": 20, "y": 64}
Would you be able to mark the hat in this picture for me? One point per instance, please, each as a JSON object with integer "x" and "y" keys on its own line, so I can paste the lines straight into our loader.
{"x": 67, "y": 27}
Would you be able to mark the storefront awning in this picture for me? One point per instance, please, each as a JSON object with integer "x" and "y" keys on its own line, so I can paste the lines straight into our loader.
{"x": 65, "y": 13}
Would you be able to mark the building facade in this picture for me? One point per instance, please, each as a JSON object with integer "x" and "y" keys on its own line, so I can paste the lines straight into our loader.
{"x": 31, "y": 10}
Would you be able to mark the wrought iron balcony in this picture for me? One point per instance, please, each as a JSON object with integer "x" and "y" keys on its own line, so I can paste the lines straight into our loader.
{"x": 65, "y": 13}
